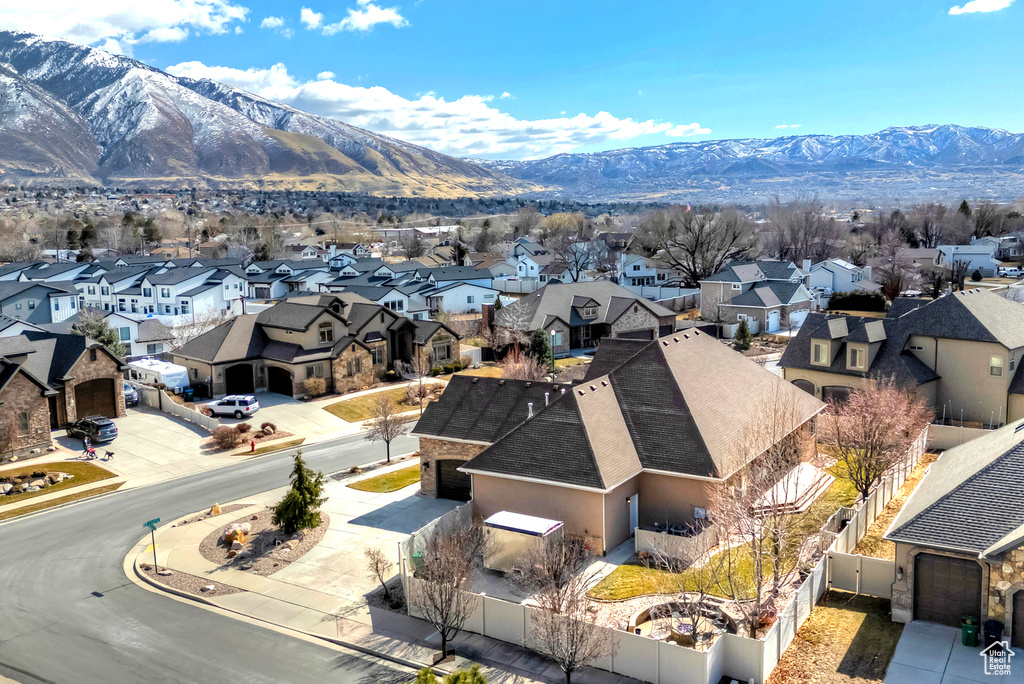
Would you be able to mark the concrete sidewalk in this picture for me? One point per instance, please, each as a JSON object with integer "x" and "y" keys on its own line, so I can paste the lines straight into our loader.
{"x": 932, "y": 654}
{"x": 389, "y": 635}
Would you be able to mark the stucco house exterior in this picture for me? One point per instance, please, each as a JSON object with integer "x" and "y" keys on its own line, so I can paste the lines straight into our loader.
{"x": 580, "y": 315}
{"x": 773, "y": 294}
{"x": 979, "y": 256}
{"x": 960, "y": 537}
{"x": 647, "y": 435}
{"x": 961, "y": 351}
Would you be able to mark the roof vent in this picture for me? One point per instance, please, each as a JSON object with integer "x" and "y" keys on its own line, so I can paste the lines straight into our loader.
{"x": 686, "y": 337}
{"x": 664, "y": 343}
{"x": 675, "y": 339}
{"x": 476, "y": 380}
{"x": 529, "y": 410}
{"x": 696, "y": 332}
{"x": 581, "y": 393}
{"x": 1019, "y": 428}
{"x": 546, "y": 395}
{"x": 500, "y": 383}
{"x": 528, "y": 385}
{"x": 604, "y": 383}
{"x": 593, "y": 388}
{"x": 563, "y": 391}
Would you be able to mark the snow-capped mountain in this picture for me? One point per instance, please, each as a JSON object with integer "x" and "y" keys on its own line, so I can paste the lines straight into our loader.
{"x": 908, "y": 161}
{"x": 71, "y": 113}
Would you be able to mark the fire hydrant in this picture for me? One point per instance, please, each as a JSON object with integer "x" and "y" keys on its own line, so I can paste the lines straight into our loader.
{"x": 252, "y": 447}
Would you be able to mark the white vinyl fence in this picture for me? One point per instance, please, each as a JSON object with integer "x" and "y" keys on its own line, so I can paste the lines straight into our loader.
{"x": 158, "y": 399}
{"x": 943, "y": 437}
{"x": 737, "y": 657}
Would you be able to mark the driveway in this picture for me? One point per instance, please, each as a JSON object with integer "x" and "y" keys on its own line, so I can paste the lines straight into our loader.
{"x": 933, "y": 654}
{"x": 301, "y": 418}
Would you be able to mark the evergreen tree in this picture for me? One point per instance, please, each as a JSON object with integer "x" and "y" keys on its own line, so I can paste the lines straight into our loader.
{"x": 88, "y": 235}
{"x": 74, "y": 239}
{"x": 300, "y": 507}
{"x": 965, "y": 209}
{"x": 540, "y": 348}
{"x": 743, "y": 337}
{"x": 95, "y": 326}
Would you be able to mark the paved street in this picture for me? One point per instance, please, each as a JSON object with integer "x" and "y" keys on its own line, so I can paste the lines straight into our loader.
{"x": 71, "y": 615}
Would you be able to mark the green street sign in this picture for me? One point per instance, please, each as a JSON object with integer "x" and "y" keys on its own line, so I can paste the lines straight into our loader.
{"x": 151, "y": 524}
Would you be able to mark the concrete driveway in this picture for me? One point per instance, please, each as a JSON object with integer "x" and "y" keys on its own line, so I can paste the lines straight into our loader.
{"x": 301, "y": 418}
{"x": 932, "y": 654}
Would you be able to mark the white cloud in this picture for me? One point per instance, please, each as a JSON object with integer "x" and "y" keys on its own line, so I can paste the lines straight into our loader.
{"x": 325, "y": 76}
{"x": 507, "y": 96}
{"x": 980, "y": 6}
{"x": 784, "y": 126}
{"x": 272, "y": 22}
{"x": 365, "y": 18}
{"x": 118, "y": 24}
{"x": 468, "y": 126}
{"x": 310, "y": 19}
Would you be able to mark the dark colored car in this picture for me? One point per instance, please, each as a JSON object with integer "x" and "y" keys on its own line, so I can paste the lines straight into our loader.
{"x": 96, "y": 428}
{"x": 131, "y": 395}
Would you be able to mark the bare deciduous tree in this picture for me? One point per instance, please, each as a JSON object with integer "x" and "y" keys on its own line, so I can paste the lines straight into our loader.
{"x": 545, "y": 570}
{"x": 379, "y": 566}
{"x": 522, "y": 367}
{"x": 412, "y": 245}
{"x": 526, "y": 221}
{"x": 800, "y": 230}
{"x": 387, "y": 423}
{"x": 958, "y": 273}
{"x": 202, "y": 322}
{"x": 895, "y": 269}
{"x": 873, "y": 429}
{"x": 575, "y": 246}
{"x": 443, "y": 598}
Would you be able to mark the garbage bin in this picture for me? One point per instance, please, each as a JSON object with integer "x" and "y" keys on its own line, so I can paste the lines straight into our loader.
{"x": 189, "y": 394}
{"x": 969, "y": 631}
{"x": 993, "y": 632}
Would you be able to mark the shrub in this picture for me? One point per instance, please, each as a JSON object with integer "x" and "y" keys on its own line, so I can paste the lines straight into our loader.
{"x": 160, "y": 386}
{"x": 38, "y": 473}
{"x": 743, "y": 337}
{"x": 225, "y": 437}
{"x": 390, "y": 376}
{"x": 205, "y": 410}
{"x": 315, "y": 386}
{"x": 435, "y": 371}
{"x": 243, "y": 428}
{"x": 976, "y": 276}
{"x": 466, "y": 361}
{"x": 268, "y": 428}
{"x": 449, "y": 368}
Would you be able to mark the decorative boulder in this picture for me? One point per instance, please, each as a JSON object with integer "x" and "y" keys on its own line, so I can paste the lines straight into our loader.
{"x": 215, "y": 510}
{"x": 232, "y": 554}
{"x": 236, "y": 546}
{"x": 37, "y": 483}
{"x": 5, "y": 488}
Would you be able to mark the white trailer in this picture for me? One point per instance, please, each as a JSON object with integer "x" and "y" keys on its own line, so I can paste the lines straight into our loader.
{"x": 150, "y": 371}
{"x": 510, "y": 534}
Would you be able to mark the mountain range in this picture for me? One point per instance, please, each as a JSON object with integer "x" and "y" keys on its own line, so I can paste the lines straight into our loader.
{"x": 908, "y": 162}
{"x": 71, "y": 114}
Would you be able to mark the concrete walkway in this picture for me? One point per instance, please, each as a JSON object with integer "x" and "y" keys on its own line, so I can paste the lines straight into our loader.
{"x": 933, "y": 654}
{"x": 328, "y": 615}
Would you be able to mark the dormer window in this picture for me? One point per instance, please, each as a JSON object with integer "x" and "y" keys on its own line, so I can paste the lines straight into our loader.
{"x": 589, "y": 312}
{"x": 857, "y": 358}
{"x": 819, "y": 354}
{"x": 737, "y": 286}
{"x": 326, "y": 332}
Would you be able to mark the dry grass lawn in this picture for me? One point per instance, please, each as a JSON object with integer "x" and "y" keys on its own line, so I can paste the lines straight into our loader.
{"x": 872, "y": 544}
{"x": 83, "y": 471}
{"x": 389, "y": 482}
{"x": 361, "y": 407}
{"x": 846, "y": 639}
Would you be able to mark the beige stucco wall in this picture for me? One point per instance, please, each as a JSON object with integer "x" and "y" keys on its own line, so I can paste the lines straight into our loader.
{"x": 581, "y": 511}
{"x": 1016, "y": 410}
{"x": 616, "y": 512}
{"x": 311, "y": 338}
{"x": 821, "y": 379}
{"x": 668, "y": 499}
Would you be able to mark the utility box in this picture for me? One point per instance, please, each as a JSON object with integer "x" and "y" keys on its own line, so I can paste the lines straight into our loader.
{"x": 510, "y": 535}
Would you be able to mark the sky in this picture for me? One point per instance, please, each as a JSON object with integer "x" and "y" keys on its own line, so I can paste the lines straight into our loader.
{"x": 531, "y": 79}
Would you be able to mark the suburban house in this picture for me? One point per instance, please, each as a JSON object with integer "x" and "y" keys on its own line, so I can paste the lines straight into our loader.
{"x": 979, "y": 256}
{"x": 642, "y": 443}
{"x": 961, "y": 351}
{"x": 960, "y": 537}
{"x": 771, "y": 295}
{"x": 48, "y": 380}
{"x": 38, "y": 302}
{"x": 142, "y": 337}
{"x": 341, "y": 338}
{"x": 474, "y": 413}
{"x": 579, "y": 315}
{"x": 839, "y": 275}
{"x": 1008, "y": 247}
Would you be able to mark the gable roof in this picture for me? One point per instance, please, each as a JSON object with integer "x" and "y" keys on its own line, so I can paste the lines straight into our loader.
{"x": 984, "y": 474}
{"x": 769, "y": 294}
{"x": 534, "y": 310}
{"x": 976, "y": 315}
{"x": 237, "y": 339}
{"x": 293, "y": 315}
{"x": 50, "y": 356}
{"x": 750, "y": 271}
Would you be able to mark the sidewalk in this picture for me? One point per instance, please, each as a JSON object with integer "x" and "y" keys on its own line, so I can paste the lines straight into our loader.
{"x": 380, "y": 632}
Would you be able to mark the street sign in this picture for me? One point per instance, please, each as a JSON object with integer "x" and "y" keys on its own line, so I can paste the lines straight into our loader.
{"x": 151, "y": 524}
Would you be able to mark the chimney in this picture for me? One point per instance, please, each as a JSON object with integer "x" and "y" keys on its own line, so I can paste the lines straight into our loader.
{"x": 529, "y": 410}
{"x": 807, "y": 266}
{"x": 545, "y": 398}
{"x": 487, "y": 315}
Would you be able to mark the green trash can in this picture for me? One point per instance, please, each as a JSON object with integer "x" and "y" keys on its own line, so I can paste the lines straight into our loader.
{"x": 189, "y": 394}
{"x": 417, "y": 560}
{"x": 969, "y": 631}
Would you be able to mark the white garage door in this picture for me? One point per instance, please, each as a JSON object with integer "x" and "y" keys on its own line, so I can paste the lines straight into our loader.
{"x": 796, "y": 318}
{"x": 773, "y": 321}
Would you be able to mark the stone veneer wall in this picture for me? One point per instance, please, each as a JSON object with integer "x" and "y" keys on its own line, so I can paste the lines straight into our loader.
{"x": 1005, "y": 579}
{"x": 85, "y": 370}
{"x": 636, "y": 318}
{"x": 433, "y": 450}
{"x": 343, "y": 382}
{"x": 21, "y": 395}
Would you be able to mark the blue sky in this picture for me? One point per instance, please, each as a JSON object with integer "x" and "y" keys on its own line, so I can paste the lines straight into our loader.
{"x": 530, "y": 79}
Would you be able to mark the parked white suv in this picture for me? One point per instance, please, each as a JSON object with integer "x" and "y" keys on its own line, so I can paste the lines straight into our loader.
{"x": 237, "y": 405}
{"x": 1009, "y": 272}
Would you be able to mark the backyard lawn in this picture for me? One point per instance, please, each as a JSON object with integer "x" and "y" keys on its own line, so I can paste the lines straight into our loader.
{"x": 846, "y": 639}
{"x": 83, "y": 472}
{"x": 389, "y": 482}
{"x": 361, "y": 407}
{"x": 872, "y": 544}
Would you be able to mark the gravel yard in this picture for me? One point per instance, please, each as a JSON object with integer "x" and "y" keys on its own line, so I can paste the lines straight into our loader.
{"x": 265, "y": 545}
{"x": 190, "y": 583}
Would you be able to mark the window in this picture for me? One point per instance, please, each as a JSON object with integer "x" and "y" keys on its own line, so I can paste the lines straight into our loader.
{"x": 741, "y": 317}
{"x": 125, "y": 333}
{"x": 636, "y": 267}
{"x": 737, "y": 286}
{"x": 105, "y": 291}
{"x": 442, "y": 351}
{"x": 916, "y": 347}
{"x": 995, "y": 366}
{"x": 92, "y": 354}
{"x": 158, "y": 347}
{"x": 348, "y": 367}
{"x": 92, "y": 289}
{"x": 488, "y": 298}
{"x": 858, "y": 359}
{"x": 377, "y": 355}
{"x": 106, "y": 306}
{"x": 315, "y": 371}
{"x": 31, "y": 304}
{"x": 23, "y": 424}
{"x": 359, "y": 365}
{"x": 556, "y": 339}
{"x": 184, "y": 306}
{"x": 819, "y": 354}
{"x": 56, "y": 305}
{"x": 469, "y": 299}
{"x": 590, "y": 312}
{"x": 195, "y": 371}
{"x": 326, "y": 332}
{"x": 72, "y": 303}
{"x": 165, "y": 292}
{"x": 147, "y": 292}
{"x": 167, "y": 308}
{"x": 585, "y": 332}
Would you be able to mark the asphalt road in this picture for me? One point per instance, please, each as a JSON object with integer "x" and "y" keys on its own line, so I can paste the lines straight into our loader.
{"x": 69, "y": 614}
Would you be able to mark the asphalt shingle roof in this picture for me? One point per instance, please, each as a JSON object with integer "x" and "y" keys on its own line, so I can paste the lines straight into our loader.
{"x": 536, "y": 308}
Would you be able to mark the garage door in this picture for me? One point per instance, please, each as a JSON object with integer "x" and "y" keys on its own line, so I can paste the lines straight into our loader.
{"x": 773, "y": 321}
{"x": 451, "y": 484}
{"x": 637, "y": 335}
{"x": 796, "y": 318}
{"x": 946, "y": 589}
{"x": 238, "y": 379}
{"x": 1018, "y": 620}
{"x": 96, "y": 398}
{"x": 279, "y": 380}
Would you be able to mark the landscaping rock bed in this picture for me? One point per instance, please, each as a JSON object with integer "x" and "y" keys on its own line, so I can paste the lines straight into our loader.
{"x": 231, "y": 508}
{"x": 265, "y": 549}
{"x": 375, "y": 599}
{"x": 189, "y": 583}
{"x": 32, "y": 482}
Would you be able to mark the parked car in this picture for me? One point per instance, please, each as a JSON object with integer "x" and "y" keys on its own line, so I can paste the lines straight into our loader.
{"x": 131, "y": 395}
{"x": 96, "y": 428}
{"x": 1009, "y": 272}
{"x": 237, "y": 405}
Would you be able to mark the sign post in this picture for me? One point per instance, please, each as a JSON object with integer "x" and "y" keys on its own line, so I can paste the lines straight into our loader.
{"x": 152, "y": 530}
